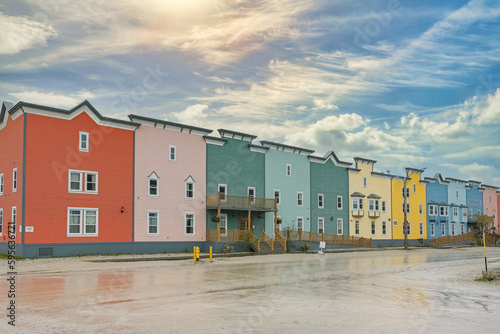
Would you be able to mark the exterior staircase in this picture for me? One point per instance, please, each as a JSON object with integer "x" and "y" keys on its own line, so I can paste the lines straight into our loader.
{"x": 264, "y": 247}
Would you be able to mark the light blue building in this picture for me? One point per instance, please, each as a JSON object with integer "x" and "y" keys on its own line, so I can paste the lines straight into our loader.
{"x": 438, "y": 217}
{"x": 474, "y": 196}
{"x": 457, "y": 199}
{"x": 287, "y": 178}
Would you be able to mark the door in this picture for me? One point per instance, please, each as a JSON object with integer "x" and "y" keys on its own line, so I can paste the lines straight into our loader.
{"x": 243, "y": 222}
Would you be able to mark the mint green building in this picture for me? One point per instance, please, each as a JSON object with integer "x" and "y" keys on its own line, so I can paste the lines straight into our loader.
{"x": 287, "y": 178}
{"x": 329, "y": 195}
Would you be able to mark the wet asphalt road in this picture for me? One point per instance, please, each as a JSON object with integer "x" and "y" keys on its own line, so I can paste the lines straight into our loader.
{"x": 417, "y": 291}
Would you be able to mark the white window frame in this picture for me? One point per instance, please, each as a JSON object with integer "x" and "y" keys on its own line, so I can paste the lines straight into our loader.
{"x": 408, "y": 192}
{"x": 83, "y": 222}
{"x": 301, "y": 219}
{"x": 300, "y": 199}
{"x": 357, "y": 227}
{"x": 248, "y": 194}
{"x": 1, "y": 222}
{"x": 157, "y": 223}
{"x": 455, "y": 212}
{"x": 186, "y": 214}
{"x": 365, "y": 182}
{"x": 278, "y": 198}
{"x": 373, "y": 205}
{"x": 1, "y": 184}
{"x": 340, "y": 202}
{"x": 433, "y": 210}
{"x": 465, "y": 212}
{"x": 13, "y": 219}
{"x": 408, "y": 227}
{"x": 154, "y": 177}
{"x": 14, "y": 180}
{"x": 433, "y": 229}
{"x": 170, "y": 147}
{"x": 408, "y": 206}
{"x": 223, "y": 218}
{"x": 188, "y": 182}
{"x": 414, "y": 188}
{"x": 384, "y": 206}
{"x": 321, "y": 222}
{"x": 373, "y": 228}
{"x": 81, "y": 141}
{"x": 421, "y": 209}
{"x": 223, "y": 197}
{"x": 288, "y": 170}
{"x": 321, "y": 201}
{"x": 83, "y": 182}
{"x": 452, "y": 228}
{"x": 340, "y": 226}
{"x": 359, "y": 203}
{"x": 445, "y": 209}
{"x": 421, "y": 229}
{"x": 384, "y": 227}
{"x": 394, "y": 223}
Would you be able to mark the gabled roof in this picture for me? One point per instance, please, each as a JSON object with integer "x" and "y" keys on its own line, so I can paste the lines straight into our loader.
{"x": 6, "y": 106}
{"x": 489, "y": 187}
{"x": 215, "y": 140}
{"x": 287, "y": 148}
{"x": 158, "y": 123}
{"x": 69, "y": 114}
{"x": 224, "y": 133}
{"x": 414, "y": 170}
{"x": 438, "y": 178}
{"x": 363, "y": 161}
{"x": 329, "y": 155}
{"x": 357, "y": 194}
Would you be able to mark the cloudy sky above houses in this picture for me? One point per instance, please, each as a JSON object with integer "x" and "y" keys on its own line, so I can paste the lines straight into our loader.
{"x": 406, "y": 83}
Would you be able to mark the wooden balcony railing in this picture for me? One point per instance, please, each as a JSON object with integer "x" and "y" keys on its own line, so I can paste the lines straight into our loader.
{"x": 240, "y": 203}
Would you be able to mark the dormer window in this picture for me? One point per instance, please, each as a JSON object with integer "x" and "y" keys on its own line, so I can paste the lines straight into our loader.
{"x": 84, "y": 142}
{"x": 153, "y": 185}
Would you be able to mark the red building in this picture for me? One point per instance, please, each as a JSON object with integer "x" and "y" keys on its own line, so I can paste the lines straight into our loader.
{"x": 66, "y": 179}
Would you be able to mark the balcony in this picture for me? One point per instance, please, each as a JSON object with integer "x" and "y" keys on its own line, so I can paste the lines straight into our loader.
{"x": 240, "y": 203}
{"x": 374, "y": 214}
{"x": 358, "y": 213}
{"x": 472, "y": 219}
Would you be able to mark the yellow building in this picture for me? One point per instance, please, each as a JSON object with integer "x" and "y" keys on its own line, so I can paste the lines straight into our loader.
{"x": 416, "y": 205}
{"x": 370, "y": 208}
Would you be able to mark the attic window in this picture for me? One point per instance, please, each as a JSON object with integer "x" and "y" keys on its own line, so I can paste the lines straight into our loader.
{"x": 84, "y": 142}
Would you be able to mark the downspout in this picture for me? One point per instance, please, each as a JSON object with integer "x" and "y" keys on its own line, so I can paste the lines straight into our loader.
{"x": 23, "y": 205}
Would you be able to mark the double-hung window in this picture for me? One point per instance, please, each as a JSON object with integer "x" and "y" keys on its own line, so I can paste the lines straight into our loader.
{"x": 223, "y": 224}
{"x": 356, "y": 227}
{"x": 277, "y": 196}
{"x": 300, "y": 223}
{"x": 374, "y": 227}
{"x": 433, "y": 210}
{"x": 300, "y": 198}
{"x": 14, "y": 180}
{"x": 251, "y": 194}
{"x": 339, "y": 203}
{"x": 321, "y": 202}
{"x": 14, "y": 221}
{"x": 455, "y": 213}
{"x": 407, "y": 208}
{"x": 223, "y": 192}
{"x": 340, "y": 226}
{"x": 83, "y": 222}
{"x": 383, "y": 206}
{"x": 172, "y": 153}
{"x": 384, "y": 227}
{"x": 189, "y": 188}
{"x": 153, "y": 185}
{"x": 407, "y": 192}
{"x": 421, "y": 229}
{"x": 357, "y": 203}
{"x": 189, "y": 223}
{"x": 1, "y": 184}
{"x": 373, "y": 205}
{"x": 153, "y": 222}
{"x": 433, "y": 229}
{"x": 84, "y": 142}
{"x": 288, "y": 170}
{"x": 83, "y": 182}
{"x": 321, "y": 225}
{"x": 421, "y": 209}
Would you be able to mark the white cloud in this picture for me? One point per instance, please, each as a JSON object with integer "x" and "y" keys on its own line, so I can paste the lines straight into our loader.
{"x": 489, "y": 112}
{"x": 53, "y": 99}
{"x": 19, "y": 33}
{"x": 323, "y": 105}
{"x": 192, "y": 115}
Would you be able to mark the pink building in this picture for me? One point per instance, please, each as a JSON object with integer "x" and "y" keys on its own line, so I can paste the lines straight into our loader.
{"x": 490, "y": 203}
{"x": 170, "y": 181}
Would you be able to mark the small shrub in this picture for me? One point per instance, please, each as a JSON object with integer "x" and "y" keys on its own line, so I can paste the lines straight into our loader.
{"x": 305, "y": 247}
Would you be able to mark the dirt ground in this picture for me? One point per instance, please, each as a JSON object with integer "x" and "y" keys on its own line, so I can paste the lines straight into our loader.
{"x": 380, "y": 291}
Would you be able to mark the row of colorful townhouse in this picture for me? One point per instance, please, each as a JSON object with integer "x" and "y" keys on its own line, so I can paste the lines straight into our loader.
{"x": 74, "y": 181}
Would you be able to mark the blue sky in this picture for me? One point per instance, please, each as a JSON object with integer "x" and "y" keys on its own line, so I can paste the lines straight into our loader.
{"x": 406, "y": 83}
